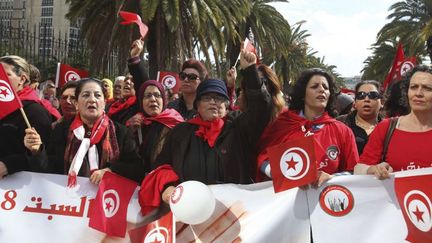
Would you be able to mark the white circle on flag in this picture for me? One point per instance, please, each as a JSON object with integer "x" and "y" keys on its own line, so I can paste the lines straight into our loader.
{"x": 6, "y": 93}
{"x": 294, "y": 163}
{"x": 71, "y": 76}
{"x": 169, "y": 81}
{"x": 418, "y": 207}
{"x": 111, "y": 202}
{"x": 406, "y": 67}
{"x": 158, "y": 234}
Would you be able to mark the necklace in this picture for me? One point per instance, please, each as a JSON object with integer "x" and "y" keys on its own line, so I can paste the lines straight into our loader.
{"x": 364, "y": 126}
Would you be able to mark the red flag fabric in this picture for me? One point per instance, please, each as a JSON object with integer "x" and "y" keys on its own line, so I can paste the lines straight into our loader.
{"x": 251, "y": 48}
{"x": 110, "y": 205}
{"x": 407, "y": 65}
{"x": 394, "y": 73}
{"x": 161, "y": 230}
{"x": 293, "y": 163}
{"x": 131, "y": 18}
{"x": 9, "y": 100}
{"x": 414, "y": 194}
{"x": 66, "y": 73}
{"x": 170, "y": 80}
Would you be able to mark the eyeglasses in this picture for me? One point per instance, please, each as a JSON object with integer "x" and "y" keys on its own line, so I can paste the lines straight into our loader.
{"x": 189, "y": 76}
{"x": 217, "y": 98}
{"x": 150, "y": 95}
{"x": 373, "y": 95}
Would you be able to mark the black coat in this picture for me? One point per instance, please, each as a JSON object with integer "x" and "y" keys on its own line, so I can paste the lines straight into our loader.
{"x": 12, "y": 150}
{"x": 128, "y": 164}
{"x": 233, "y": 158}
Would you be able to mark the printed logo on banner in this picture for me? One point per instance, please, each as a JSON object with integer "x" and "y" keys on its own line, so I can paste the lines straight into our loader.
{"x": 332, "y": 152}
{"x": 111, "y": 201}
{"x": 406, "y": 67}
{"x": 159, "y": 235}
{"x": 177, "y": 194}
{"x": 6, "y": 93}
{"x": 294, "y": 163}
{"x": 71, "y": 76}
{"x": 169, "y": 81}
{"x": 336, "y": 200}
{"x": 418, "y": 207}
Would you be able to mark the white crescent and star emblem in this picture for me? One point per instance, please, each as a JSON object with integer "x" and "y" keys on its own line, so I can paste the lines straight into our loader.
{"x": 157, "y": 235}
{"x": 6, "y": 93}
{"x": 71, "y": 76}
{"x": 406, "y": 67}
{"x": 111, "y": 202}
{"x": 294, "y": 163}
{"x": 169, "y": 81}
{"x": 418, "y": 207}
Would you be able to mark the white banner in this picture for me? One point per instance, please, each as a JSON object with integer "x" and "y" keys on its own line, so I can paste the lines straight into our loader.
{"x": 38, "y": 208}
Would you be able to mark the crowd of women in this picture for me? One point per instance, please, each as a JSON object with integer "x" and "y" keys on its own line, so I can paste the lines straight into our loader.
{"x": 133, "y": 127}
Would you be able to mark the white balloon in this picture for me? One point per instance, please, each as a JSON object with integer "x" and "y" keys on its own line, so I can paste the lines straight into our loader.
{"x": 192, "y": 202}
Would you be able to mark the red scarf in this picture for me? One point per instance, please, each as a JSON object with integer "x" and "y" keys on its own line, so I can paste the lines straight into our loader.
{"x": 102, "y": 131}
{"x": 287, "y": 123}
{"x": 169, "y": 118}
{"x": 30, "y": 94}
{"x": 118, "y": 105}
{"x": 208, "y": 130}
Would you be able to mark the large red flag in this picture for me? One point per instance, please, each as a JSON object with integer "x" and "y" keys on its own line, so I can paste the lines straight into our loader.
{"x": 66, "y": 73}
{"x": 161, "y": 230}
{"x": 251, "y": 48}
{"x": 414, "y": 194}
{"x": 111, "y": 203}
{"x": 170, "y": 80}
{"x": 131, "y": 18}
{"x": 293, "y": 163}
{"x": 9, "y": 100}
{"x": 394, "y": 73}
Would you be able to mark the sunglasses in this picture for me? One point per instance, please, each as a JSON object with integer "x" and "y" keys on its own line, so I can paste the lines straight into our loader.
{"x": 189, "y": 76}
{"x": 373, "y": 95}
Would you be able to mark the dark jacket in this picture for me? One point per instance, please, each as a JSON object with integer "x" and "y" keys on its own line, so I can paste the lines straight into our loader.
{"x": 180, "y": 106}
{"x": 128, "y": 164}
{"x": 360, "y": 134}
{"x": 12, "y": 130}
{"x": 233, "y": 158}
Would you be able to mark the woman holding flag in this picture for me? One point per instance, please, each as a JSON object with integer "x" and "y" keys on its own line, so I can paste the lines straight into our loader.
{"x": 91, "y": 143}
{"x": 311, "y": 111}
{"x": 13, "y": 125}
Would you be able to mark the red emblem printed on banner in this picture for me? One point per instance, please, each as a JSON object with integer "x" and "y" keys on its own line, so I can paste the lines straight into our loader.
{"x": 336, "y": 200}
{"x": 293, "y": 163}
{"x": 159, "y": 231}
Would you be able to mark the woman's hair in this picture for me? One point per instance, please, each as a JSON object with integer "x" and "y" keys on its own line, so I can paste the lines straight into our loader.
{"x": 34, "y": 76}
{"x": 68, "y": 85}
{"x": 82, "y": 82}
{"x": 20, "y": 66}
{"x": 298, "y": 92}
{"x": 363, "y": 82}
{"x": 197, "y": 65}
{"x": 272, "y": 83}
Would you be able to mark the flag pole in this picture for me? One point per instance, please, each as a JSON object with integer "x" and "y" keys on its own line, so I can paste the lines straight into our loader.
{"x": 25, "y": 117}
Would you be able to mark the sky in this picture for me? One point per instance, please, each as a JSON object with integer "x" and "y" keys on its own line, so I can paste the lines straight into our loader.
{"x": 342, "y": 31}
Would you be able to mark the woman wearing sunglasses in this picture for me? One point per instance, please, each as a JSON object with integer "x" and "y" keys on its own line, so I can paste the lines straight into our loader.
{"x": 366, "y": 116}
{"x": 409, "y": 144}
{"x": 310, "y": 113}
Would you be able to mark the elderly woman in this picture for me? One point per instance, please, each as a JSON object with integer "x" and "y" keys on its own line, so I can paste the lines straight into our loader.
{"x": 91, "y": 143}
{"x": 310, "y": 113}
{"x": 215, "y": 146}
{"x": 407, "y": 146}
{"x": 12, "y": 126}
{"x": 366, "y": 114}
{"x": 153, "y": 121}
{"x": 123, "y": 109}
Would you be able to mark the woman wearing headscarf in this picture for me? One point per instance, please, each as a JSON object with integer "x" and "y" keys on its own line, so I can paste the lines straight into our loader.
{"x": 108, "y": 88}
{"x": 310, "y": 113}
{"x": 91, "y": 143}
{"x": 153, "y": 121}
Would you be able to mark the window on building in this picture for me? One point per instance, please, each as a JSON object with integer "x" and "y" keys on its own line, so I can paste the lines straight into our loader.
{"x": 47, "y": 2}
{"x": 47, "y": 11}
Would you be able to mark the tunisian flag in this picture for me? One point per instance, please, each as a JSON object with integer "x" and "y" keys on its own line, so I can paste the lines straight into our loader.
{"x": 414, "y": 194}
{"x": 9, "y": 100}
{"x": 110, "y": 205}
{"x": 66, "y": 73}
{"x": 133, "y": 18}
{"x": 161, "y": 230}
{"x": 170, "y": 80}
{"x": 401, "y": 66}
{"x": 293, "y": 163}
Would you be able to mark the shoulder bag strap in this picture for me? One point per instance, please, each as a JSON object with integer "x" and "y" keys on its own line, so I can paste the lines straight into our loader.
{"x": 390, "y": 130}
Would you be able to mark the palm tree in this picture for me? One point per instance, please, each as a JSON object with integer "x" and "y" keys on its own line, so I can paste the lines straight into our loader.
{"x": 412, "y": 23}
{"x": 377, "y": 66}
